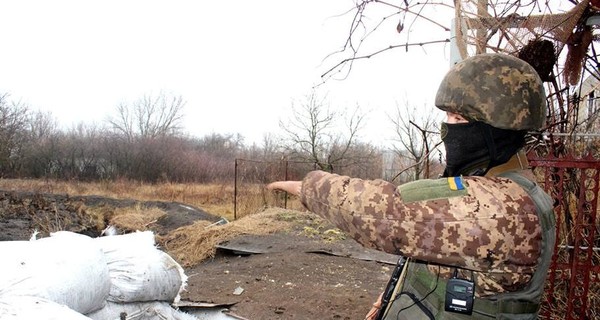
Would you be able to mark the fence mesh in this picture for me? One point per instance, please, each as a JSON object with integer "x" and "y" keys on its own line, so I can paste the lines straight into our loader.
{"x": 251, "y": 177}
{"x": 571, "y": 177}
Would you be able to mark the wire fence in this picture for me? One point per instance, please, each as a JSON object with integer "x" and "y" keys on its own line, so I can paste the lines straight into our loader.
{"x": 251, "y": 177}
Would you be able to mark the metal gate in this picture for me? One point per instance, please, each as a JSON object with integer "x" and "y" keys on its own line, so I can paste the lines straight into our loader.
{"x": 573, "y": 288}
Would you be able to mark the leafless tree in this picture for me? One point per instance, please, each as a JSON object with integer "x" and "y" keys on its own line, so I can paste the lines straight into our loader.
{"x": 40, "y": 150}
{"x": 13, "y": 133}
{"x": 221, "y": 145}
{"x": 42, "y": 125}
{"x": 81, "y": 152}
{"x": 416, "y": 138}
{"x": 315, "y": 134}
{"x": 269, "y": 148}
{"x": 364, "y": 161}
{"x": 149, "y": 117}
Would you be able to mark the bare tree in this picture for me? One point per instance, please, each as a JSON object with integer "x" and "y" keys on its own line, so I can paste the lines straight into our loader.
{"x": 42, "y": 125}
{"x": 314, "y": 133}
{"x": 40, "y": 149}
{"x": 221, "y": 145}
{"x": 149, "y": 117}
{"x": 269, "y": 148}
{"x": 416, "y": 136}
{"x": 13, "y": 133}
{"x": 81, "y": 152}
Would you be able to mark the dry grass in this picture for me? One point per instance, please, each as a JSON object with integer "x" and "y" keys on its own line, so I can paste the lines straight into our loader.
{"x": 216, "y": 199}
{"x": 190, "y": 245}
{"x": 135, "y": 218}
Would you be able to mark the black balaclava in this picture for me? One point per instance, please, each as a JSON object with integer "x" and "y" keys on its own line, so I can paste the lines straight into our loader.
{"x": 473, "y": 148}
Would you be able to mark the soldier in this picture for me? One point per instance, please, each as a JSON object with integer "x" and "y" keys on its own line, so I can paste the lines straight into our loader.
{"x": 479, "y": 240}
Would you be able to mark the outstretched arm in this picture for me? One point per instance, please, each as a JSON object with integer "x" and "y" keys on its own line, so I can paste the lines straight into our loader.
{"x": 291, "y": 187}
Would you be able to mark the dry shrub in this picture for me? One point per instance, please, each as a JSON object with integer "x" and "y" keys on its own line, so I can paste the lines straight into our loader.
{"x": 97, "y": 217}
{"x": 136, "y": 218}
{"x": 190, "y": 245}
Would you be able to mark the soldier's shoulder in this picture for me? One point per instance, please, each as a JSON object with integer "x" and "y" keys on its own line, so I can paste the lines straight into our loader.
{"x": 430, "y": 189}
{"x": 450, "y": 187}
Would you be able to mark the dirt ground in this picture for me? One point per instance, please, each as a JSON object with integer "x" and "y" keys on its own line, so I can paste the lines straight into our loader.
{"x": 284, "y": 275}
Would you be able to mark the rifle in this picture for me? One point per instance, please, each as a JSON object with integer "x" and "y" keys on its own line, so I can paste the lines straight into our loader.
{"x": 390, "y": 289}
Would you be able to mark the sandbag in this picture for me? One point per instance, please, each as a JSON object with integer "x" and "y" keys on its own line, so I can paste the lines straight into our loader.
{"x": 28, "y": 307}
{"x": 139, "y": 271}
{"x": 69, "y": 269}
{"x": 156, "y": 310}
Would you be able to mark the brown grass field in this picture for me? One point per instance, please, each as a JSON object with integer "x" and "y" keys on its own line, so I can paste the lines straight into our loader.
{"x": 217, "y": 199}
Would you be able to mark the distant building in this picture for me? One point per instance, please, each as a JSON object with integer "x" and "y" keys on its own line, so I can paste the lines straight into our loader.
{"x": 589, "y": 107}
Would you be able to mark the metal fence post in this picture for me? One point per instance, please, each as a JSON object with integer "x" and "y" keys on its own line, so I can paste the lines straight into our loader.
{"x": 235, "y": 190}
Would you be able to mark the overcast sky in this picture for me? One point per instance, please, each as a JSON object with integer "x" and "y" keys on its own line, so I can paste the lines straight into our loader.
{"x": 238, "y": 64}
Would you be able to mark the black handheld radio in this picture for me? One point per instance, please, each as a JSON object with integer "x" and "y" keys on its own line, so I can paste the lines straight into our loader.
{"x": 460, "y": 294}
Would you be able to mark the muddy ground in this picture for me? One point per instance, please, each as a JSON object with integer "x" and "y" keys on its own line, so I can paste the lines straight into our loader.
{"x": 284, "y": 275}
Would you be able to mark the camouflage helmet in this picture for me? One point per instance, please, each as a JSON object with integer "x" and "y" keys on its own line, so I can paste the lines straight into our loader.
{"x": 498, "y": 89}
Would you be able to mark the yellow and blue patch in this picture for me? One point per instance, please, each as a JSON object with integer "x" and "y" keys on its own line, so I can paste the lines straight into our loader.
{"x": 455, "y": 183}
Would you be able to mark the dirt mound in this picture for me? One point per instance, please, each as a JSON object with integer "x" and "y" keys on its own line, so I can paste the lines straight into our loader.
{"x": 22, "y": 213}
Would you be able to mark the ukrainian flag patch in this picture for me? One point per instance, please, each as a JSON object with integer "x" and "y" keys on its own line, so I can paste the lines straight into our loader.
{"x": 455, "y": 183}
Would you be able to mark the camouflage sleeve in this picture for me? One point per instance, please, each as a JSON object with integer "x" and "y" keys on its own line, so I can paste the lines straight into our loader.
{"x": 489, "y": 225}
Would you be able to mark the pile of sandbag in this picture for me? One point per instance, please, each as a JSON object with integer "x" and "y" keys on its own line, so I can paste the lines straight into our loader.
{"x": 69, "y": 276}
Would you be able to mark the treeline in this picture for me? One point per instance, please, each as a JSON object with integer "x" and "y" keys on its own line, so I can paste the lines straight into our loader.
{"x": 90, "y": 153}
{"x": 144, "y": 143}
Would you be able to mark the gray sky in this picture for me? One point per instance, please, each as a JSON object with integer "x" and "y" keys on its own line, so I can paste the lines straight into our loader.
{"x": 239, "y": 65}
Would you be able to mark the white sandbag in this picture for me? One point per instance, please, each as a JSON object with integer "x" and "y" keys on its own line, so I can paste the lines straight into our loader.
{"x": 69, "y": 269}
{"x": 139, "y": 271}
{"x": 27, "y": 307}
{"x": 155, "y": 310}
{"x": 115, "y": 243}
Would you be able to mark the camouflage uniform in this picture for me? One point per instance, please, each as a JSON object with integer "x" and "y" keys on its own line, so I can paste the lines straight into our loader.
{"x": 490, "y": 225}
